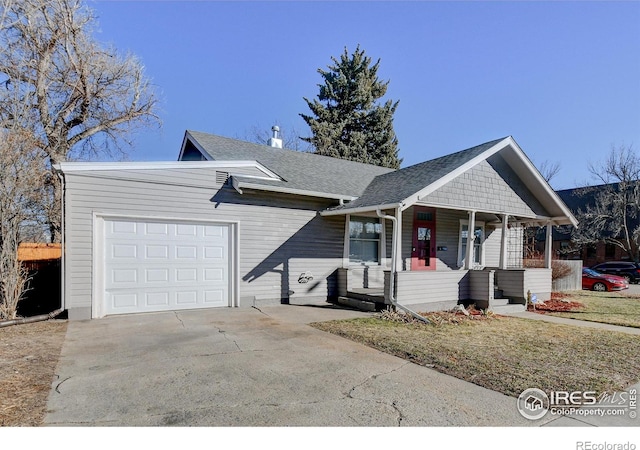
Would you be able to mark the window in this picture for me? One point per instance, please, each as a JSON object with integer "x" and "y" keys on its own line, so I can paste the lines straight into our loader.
{"x": 364, "y": 240}
{"x": 609, "y": 251}
{"x": 478, "y": 244}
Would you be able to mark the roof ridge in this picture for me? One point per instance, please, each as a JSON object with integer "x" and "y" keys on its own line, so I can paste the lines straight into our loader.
{"x": 289, "y": 150}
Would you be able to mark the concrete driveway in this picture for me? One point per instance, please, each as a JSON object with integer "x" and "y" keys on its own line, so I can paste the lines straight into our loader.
{"x": 250, "y": 367}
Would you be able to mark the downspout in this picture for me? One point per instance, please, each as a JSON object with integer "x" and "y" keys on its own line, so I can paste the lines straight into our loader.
{"x": 392, "y": 277}
{"x": 63, "y": 272}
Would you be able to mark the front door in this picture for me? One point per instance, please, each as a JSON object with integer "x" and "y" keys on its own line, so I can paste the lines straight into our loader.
{"x": 423, "y": 252}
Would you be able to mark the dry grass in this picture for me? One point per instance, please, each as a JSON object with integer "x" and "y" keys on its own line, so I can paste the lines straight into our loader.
{"x": 605, "y": 307}
{"x": 504, "y": 354}
{"x": 28, "y": 358}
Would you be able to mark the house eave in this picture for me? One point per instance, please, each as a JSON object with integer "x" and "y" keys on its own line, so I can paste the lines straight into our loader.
{"x": 241, "y": 185}
{"x": 362, "y": 209}
{"x": 85, "y": 166}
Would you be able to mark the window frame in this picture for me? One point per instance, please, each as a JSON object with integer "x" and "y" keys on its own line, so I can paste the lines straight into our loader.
{"x": 381, "y": 241}
{"x": 462, "y": 255}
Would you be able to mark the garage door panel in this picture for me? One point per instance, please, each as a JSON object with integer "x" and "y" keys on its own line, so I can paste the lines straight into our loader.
{"x": 154, "y": 266}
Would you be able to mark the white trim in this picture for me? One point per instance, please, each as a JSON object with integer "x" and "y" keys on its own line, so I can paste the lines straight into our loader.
{"x": 86, "y": 166}
{"x": 545, "y": 185}
{"x": 97, "y": 274}
{"x": 356, "y": 211}
{"x": 239, "y": 185}
{"x": 382, "y": 243}
{"x": 98, "y": 257}
{"x": 548, "y": 246}
{"x": 503, "y": 242}
{"x": 345, "y": 243}
{"x": 482, "y": 211}
{"x": 398, "y": 255}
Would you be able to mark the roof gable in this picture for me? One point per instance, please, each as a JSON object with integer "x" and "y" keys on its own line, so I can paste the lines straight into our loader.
{"x": 489, "y": 186}
{"x": 406, "y": 187}
{"x": 401, "y": 185}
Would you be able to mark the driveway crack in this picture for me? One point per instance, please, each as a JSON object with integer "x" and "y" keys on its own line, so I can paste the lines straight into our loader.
{"x": 179, "y": 319}
{"x": 393, "y": 404}
{"x": 226, "y": 337}
{"x": 58, "y": 385}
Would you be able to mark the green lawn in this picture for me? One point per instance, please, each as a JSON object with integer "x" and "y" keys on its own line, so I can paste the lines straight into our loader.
{"x": 606, "y": 307}
{"x": 506, "y": 354}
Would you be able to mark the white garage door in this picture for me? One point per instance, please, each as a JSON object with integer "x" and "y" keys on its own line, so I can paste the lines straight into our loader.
{"x": 161, "y": 266}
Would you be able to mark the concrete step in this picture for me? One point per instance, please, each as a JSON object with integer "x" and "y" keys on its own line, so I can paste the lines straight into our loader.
{"x": 355, "y": 303}
{"x": 508, "y": 308}
{"x": 499, "y": 302}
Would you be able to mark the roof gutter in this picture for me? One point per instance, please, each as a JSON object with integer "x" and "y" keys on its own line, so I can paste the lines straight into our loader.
{"x": 347, "y": 210}
{"x": 392, "y": 278}
{"x": 239, "y": 185}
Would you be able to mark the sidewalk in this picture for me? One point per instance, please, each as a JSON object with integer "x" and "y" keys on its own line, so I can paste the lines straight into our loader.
{"x": 575, "y": 322}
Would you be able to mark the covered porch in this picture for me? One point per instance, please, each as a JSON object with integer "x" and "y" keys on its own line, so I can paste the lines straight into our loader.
{"x": 435, "y": 262}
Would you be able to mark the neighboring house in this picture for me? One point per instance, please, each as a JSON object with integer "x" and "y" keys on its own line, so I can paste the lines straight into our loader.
{"x": 563, "y": 247}
{"x": 239, "y": 224}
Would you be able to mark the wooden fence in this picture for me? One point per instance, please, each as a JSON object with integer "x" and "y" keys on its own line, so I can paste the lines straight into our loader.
{"x": 571, "y": 282}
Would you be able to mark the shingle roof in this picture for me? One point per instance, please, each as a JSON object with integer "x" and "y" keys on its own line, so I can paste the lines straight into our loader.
{"x": 394, "y": 187}
{"x": 300, "y": 170}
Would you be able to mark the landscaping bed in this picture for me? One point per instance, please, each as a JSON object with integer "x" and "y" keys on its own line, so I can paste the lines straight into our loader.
{"x": 604, "y": 307}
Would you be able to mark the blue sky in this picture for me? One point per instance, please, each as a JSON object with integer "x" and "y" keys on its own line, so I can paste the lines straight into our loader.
{"x": 563, "y": 78}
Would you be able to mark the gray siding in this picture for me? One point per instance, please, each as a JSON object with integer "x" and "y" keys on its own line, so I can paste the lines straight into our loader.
{"x": 490, "y": 186}
{"x": 280, "y": 236}
{"x": 515, "y": 284}
{"x": 422, "y": 287}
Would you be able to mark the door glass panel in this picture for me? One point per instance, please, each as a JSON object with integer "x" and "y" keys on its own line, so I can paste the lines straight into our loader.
{"x": 424, "y": 234}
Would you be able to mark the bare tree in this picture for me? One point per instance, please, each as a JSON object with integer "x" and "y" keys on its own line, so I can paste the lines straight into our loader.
{"x": 22, "y": 184}
{"x": 611, "y": 211}
{"x": 549, "y": 170}
{"x": 81, "y": 100}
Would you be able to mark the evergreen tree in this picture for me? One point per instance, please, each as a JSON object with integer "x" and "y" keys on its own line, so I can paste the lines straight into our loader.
{"x": 348, "y": 122}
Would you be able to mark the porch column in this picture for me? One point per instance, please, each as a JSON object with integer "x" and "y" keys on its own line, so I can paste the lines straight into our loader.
{"x": 399, "y": 263}
{"x": 548, "y": 246}
{"x": 503, "y": 242}
{"x": 471, "y": 235}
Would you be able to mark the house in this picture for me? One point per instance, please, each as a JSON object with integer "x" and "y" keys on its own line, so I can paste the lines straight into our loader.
{"x": 239, "y": 224}
{"x": 579, "y": 199}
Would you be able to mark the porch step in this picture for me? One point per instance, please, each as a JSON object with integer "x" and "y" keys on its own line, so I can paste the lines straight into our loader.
{"x": 506, "y": 308}
{"x": 499, "y": 302}
{"x": 362, "y": 305}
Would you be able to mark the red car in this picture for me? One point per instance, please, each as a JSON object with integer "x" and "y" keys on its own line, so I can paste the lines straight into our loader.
{"x": 597, "y": 281}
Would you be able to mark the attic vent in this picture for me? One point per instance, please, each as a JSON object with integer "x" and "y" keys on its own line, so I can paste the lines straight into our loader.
{"x": 275, "y": 141}
{"x": 222, "y": 177}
